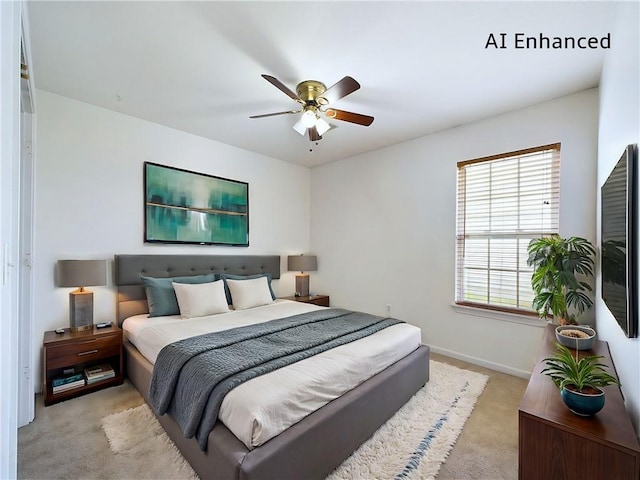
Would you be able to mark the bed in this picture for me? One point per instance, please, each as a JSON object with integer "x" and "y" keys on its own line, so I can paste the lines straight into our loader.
{"x": 311, "y": 448}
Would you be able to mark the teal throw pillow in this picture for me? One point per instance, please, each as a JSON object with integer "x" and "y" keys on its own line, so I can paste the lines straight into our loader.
{"x": 160, "y": 294}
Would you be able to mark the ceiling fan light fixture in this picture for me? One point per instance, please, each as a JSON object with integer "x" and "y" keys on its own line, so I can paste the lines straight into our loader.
{"x": 309, "y": 118}
{"x": 322, "y": 127}
{"x": 313, "y": 98}
{"x": 300, "y": 128}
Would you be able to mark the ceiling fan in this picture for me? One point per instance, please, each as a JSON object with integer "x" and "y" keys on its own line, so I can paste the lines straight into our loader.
{"x": 314, "y": 97}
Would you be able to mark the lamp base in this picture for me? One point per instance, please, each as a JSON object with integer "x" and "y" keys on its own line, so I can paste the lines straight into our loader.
{"x": 81, "y": 310}
{"x": 302, "y": 285}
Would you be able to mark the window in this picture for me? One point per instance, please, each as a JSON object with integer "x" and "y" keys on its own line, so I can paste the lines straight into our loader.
{"x": 504, "y": 201}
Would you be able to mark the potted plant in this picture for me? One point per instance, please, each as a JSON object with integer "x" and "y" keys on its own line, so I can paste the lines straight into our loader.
{"x": 580, "y": 381}
{"x": 557, "y": 261}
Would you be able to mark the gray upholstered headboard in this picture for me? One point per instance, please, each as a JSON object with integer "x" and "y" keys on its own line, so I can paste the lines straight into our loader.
{"x": 131, "y": 298}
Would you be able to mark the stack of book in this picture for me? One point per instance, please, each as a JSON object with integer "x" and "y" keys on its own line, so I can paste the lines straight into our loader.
{"x": 67, "y": 383}
{"x": 99, "y": 373}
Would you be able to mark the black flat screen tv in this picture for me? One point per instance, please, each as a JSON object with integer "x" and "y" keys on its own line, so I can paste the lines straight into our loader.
{"x": 619, "y": 261}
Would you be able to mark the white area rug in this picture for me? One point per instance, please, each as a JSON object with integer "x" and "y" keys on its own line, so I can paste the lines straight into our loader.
{"x": 413, "y": 444}
{"x": 137, "y": 436}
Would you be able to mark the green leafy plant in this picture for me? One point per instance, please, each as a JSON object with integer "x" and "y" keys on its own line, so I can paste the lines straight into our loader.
{"x": 556, "y": 262}
{"x": 586, "y": 374}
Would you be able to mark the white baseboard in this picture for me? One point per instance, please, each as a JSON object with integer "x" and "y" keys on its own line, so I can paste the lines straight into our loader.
{"x": 481, "y": 362}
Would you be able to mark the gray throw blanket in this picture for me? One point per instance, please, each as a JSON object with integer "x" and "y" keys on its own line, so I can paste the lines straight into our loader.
{"x": 192, "y": 376}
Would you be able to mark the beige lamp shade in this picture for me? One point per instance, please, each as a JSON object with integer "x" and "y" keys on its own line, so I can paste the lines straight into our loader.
{"x": 81, "y": 273}
{"x": 302, "y": 263}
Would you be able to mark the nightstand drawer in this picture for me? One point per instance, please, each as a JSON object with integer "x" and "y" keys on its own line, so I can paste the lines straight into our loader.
{"x": 322, "y": 301}
{"x": 87, "y": 350}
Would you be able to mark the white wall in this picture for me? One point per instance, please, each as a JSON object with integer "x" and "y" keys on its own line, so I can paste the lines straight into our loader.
{"x": 619, "y": 125}
{"x": 89, "y": 198}
{"x": 383, "y": 225}
{"x": 9, "y": 232}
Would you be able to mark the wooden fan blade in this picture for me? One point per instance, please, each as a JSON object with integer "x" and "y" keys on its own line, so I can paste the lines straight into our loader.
{"x": 341, "y": 89}
{"x": 274, "y": 114}
{"x": 345, "y": 116}
{"x": 314, "y": 136}
{"x": 280, "y": 86}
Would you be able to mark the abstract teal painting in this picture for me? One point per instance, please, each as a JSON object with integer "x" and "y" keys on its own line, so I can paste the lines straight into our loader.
{"x": 189, "y": 207}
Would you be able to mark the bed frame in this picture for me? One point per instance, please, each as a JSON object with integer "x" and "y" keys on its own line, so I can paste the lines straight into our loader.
{"x": 310, "y": 449}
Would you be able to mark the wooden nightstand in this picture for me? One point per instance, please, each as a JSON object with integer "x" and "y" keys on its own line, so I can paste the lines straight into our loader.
{"x": 321, "y": 300}
{"x": 77, "y": 351}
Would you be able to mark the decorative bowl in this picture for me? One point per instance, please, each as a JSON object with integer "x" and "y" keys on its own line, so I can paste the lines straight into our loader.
{"x": 578, "y": 337}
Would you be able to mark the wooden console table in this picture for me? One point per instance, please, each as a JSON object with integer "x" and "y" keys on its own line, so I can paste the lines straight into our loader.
{"x": 554, "y": 443}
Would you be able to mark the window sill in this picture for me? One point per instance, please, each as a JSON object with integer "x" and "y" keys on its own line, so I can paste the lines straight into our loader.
{"x": 498, "y": 315}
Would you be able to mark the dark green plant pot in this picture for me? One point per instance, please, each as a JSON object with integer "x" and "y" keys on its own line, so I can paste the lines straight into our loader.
{"x": 582, "y": 404}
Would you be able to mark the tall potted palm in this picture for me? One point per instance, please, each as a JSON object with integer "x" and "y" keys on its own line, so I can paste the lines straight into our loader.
{"x": 557, "y": 263}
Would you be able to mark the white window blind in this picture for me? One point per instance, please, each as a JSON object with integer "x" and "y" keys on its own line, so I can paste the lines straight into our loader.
{"x": 504, "y": 201}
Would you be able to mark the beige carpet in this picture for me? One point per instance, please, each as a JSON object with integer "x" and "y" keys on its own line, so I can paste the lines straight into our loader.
{"x": 66, "y": 440}
{"x": 487, "y": 448}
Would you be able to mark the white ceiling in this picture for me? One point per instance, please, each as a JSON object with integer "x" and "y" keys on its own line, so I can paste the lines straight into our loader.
{"x": 423, "y": 66}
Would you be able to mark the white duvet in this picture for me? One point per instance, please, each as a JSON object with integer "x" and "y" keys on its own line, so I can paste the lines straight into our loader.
{"x": 265, "y": 406}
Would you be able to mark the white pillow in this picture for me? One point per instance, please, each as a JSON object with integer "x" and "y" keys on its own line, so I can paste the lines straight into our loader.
{"x": 200, "y": 299}
{"x": 249, "y": 293}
